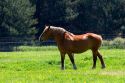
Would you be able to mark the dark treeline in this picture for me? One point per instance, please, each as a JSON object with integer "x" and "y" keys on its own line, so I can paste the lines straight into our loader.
{"x": 28, "y": 17}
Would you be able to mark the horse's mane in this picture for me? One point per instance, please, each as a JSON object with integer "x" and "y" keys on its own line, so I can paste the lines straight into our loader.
{"x": 60, "y": 30}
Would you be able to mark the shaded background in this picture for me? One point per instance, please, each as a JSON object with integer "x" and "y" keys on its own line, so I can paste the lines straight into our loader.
{"x": 23, "y": 21}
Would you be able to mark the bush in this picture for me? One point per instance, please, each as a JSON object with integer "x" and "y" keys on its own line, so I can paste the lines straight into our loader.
{"x": 115, "y": 43}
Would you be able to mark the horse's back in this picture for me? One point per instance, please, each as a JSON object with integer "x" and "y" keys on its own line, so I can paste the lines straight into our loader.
{"x": 81, "y": 43}
{"x": 88, "y": 41}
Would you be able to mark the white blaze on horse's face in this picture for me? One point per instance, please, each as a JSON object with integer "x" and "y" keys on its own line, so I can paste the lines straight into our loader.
{"x": 45, "y": 34}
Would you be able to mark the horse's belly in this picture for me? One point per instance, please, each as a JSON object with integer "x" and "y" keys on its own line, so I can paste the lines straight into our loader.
{"x": 79, "y": 51}
{"x": 79, "y": 47}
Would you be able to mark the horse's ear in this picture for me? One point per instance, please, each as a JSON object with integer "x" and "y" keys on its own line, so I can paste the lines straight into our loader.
{"x": 44, "y": 25}
{"x": 48, "y": 27}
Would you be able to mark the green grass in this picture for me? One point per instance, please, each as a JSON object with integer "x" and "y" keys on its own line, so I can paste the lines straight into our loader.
{"x": 44, "y": 67}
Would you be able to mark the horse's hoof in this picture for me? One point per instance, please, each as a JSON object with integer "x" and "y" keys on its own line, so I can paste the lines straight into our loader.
{"x": 93, "y": 67}
{"x": 62, "y": 68}
{"x": 103, "y": 67}
{"x": 75, "y": 68}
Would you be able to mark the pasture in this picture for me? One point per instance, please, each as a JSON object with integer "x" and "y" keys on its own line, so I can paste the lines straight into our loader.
{"x": 42, "y": 65}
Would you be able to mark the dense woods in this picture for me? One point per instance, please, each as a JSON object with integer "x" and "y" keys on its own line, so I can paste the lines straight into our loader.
{"x": 28, "y": 17}
{"x": 16, "y": 18}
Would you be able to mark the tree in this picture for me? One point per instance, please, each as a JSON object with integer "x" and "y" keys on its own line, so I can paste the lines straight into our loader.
{"x": 17, "y": 18}
{"x": 55, "y": 12}
{"x": 101, "y": 16}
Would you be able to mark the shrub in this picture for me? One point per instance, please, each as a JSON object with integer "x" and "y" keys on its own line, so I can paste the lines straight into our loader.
{"x": 115, "y": 43}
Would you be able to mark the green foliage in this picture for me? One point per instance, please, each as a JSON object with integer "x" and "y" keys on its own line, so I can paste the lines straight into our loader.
{"x": 84, "y": 15}
{"x": 79, "y": 16}
{"x": 55, "y": 11}
{"x": 17, "y": 18}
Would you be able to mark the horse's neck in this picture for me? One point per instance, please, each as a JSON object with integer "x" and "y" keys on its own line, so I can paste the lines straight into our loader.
{"x": 59, "y": 37}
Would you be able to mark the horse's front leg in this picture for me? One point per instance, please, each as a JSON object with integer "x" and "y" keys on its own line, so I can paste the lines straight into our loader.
{"x": 62, "y": 60}
{"x": 71, "y": 56}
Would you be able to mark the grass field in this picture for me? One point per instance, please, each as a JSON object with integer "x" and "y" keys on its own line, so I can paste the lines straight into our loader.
{"x": 44, "y": 67}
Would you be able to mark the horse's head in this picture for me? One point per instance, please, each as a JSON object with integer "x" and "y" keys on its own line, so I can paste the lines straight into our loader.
{"x": 45, "y": 34}
{"x": 52, "y": 32}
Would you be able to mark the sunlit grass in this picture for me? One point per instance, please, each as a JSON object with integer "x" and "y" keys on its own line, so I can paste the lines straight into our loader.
{"x": 44, "y": 67}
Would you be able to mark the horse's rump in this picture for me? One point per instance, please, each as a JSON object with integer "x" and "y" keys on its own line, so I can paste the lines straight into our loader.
{"x": 95, "y": 39}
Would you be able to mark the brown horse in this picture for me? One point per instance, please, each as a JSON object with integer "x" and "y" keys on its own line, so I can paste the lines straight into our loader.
{"x": 69, "y": 43}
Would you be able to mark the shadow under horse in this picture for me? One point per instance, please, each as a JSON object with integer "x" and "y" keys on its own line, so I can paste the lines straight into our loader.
{"x": 68, "y": 43}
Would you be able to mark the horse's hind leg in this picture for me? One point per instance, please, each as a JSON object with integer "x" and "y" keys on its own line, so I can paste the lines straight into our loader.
{"x": 62, "y": 61}
{"x": 101, "y": 59}
{"x": 71, "y": 56}
{"x": 94, "y": 59}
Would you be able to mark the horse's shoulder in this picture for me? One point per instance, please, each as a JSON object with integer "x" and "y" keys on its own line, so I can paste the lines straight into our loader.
{"x": 69, "y": 36}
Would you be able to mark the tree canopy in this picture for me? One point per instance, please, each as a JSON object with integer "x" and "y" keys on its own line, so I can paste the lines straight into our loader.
{"x": 16, "y": 18}
{"x": 28, "y": 17}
